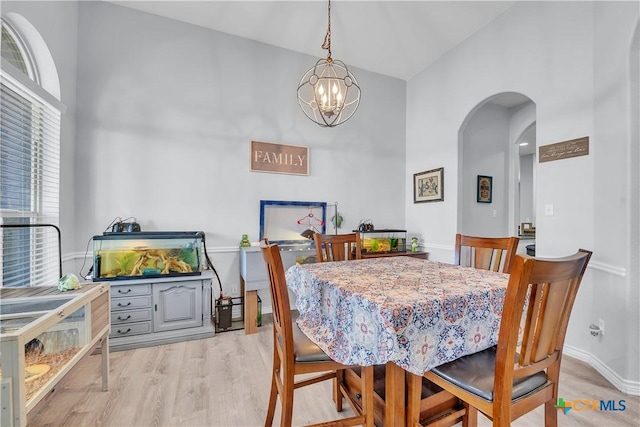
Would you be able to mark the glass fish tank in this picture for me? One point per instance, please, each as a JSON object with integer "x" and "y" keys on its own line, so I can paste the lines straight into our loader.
{"x": 383, "y": 241}
{"x": 136, "y": 255}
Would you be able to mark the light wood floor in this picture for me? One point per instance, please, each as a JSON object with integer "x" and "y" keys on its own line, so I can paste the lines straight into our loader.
{"x": 224, "y": 381}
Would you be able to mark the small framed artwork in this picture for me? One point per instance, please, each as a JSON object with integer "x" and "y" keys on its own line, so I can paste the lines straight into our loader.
{"x": 428, "y": 186}
{"x": 485, "y": 188}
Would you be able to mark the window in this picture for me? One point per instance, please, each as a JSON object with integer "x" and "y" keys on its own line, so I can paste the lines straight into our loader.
{"x": 29, "y": 170}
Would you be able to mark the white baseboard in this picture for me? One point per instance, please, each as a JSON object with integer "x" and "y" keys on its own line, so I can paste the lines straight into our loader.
{"x": 628, "y": 387}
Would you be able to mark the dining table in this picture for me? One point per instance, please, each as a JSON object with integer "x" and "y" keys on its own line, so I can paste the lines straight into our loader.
{"x": 406, "y": 313}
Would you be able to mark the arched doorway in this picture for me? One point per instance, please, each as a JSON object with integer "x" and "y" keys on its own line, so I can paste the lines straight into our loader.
{"x": 489, "y": 146}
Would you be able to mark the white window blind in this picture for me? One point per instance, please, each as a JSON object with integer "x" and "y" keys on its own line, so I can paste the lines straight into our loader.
{"x": 29, "y": 185}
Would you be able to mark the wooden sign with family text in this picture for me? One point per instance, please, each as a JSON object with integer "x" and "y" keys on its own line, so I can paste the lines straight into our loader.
{"x": 279, "y": 158}
{"x": 564, "y": 150}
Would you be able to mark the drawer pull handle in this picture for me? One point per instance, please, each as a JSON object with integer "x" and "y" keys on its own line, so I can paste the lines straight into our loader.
{"x": 120, "y": 291}
{"x": 124, "y": 305}
{"x": 125, "y": 332}
{"x": 128, "y": 317}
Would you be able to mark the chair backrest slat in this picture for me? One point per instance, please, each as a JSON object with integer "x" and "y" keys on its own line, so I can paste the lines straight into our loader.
{"x": 337, "y": 247}
{"x": 484, "y": 258}
{"x": 486, "y": 253}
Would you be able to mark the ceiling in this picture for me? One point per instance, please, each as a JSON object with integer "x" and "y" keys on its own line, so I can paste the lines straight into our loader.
{"x": 394, "y": 38}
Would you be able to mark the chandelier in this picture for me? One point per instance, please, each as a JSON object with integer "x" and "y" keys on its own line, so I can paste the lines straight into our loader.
{"x": 328, "y": 93}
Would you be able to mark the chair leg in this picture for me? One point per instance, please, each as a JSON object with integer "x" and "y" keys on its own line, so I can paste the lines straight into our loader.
{"x": 366, "y": 378}
{"x": 470, "y": 417}
{"x": 337, "y": 394}
{"x": 550, "y": 414}
{"x": 550, "y": 411}
{"x": 273, "y": 396}
{"x": 287, "y": 400}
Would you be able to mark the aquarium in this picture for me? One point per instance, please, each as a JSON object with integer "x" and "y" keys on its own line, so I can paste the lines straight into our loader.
{"x": 135, "y": 255}
{"x": 383, "y": 241}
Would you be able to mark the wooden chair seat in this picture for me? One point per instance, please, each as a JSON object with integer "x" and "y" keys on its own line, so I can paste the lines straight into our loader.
{"x": 475, "y": 373}
{"x": 305, "y": 350}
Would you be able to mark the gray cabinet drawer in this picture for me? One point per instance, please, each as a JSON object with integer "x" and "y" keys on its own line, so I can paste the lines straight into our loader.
{"x": 128, "y": 329}
{"x": 130, "y": 290}
{"x": 129, "y": 316}
{"x": 118, "y": 304}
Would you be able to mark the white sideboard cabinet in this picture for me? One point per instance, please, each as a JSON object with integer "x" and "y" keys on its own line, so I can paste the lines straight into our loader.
{"x": 163, "y": 310}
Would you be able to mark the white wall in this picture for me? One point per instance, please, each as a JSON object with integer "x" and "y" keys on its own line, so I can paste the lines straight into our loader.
{"x": 569, "y": 58}
{"x": 166, "y": 112}
{"x": 616, "y": 293}
{"x": 165, "y": 115}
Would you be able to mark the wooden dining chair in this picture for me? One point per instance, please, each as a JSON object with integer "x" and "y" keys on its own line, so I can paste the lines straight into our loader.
{"x": 337, "y": 247}
{"x": 506, "y": 381}
{"x": 294, "y": 353}
{"x": 487, "y": 253}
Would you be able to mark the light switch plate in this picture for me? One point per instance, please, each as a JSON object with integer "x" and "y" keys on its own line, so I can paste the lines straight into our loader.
{"x": 548, "y": 209}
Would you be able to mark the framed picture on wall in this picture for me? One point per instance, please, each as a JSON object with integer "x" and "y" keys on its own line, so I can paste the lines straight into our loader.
{"x": 428, "y": 186}
{"x": 485, "y": 189}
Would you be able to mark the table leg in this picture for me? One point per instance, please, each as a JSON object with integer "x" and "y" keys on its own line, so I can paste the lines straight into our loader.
{"x": 250, "y": 312}
{"x": 105, "y": 362}
{"x": 414, "y": 395}
{"x": 395, "y": 396}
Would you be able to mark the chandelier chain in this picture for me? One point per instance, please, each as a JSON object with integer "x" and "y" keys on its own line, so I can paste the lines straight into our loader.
{"x": 327, "y": 38}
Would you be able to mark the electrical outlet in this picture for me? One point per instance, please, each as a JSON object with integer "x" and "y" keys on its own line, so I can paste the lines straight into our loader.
{"x": 601, "y": 326}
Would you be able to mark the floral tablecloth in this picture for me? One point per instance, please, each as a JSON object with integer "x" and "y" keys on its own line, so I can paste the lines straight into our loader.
{"x": 416, "y": 313}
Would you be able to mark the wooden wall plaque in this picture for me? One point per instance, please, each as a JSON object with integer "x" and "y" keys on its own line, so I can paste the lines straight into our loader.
{"x": 279, "y": 158}
{"x": 564, "y": 150}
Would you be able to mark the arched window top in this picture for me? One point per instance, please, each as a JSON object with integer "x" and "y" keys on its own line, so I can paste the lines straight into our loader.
{"x": 24, "y": 48}
{"x": 15, "y": 52}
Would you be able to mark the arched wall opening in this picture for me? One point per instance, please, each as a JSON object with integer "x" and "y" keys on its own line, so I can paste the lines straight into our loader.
{"x": 488, "y": 145}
